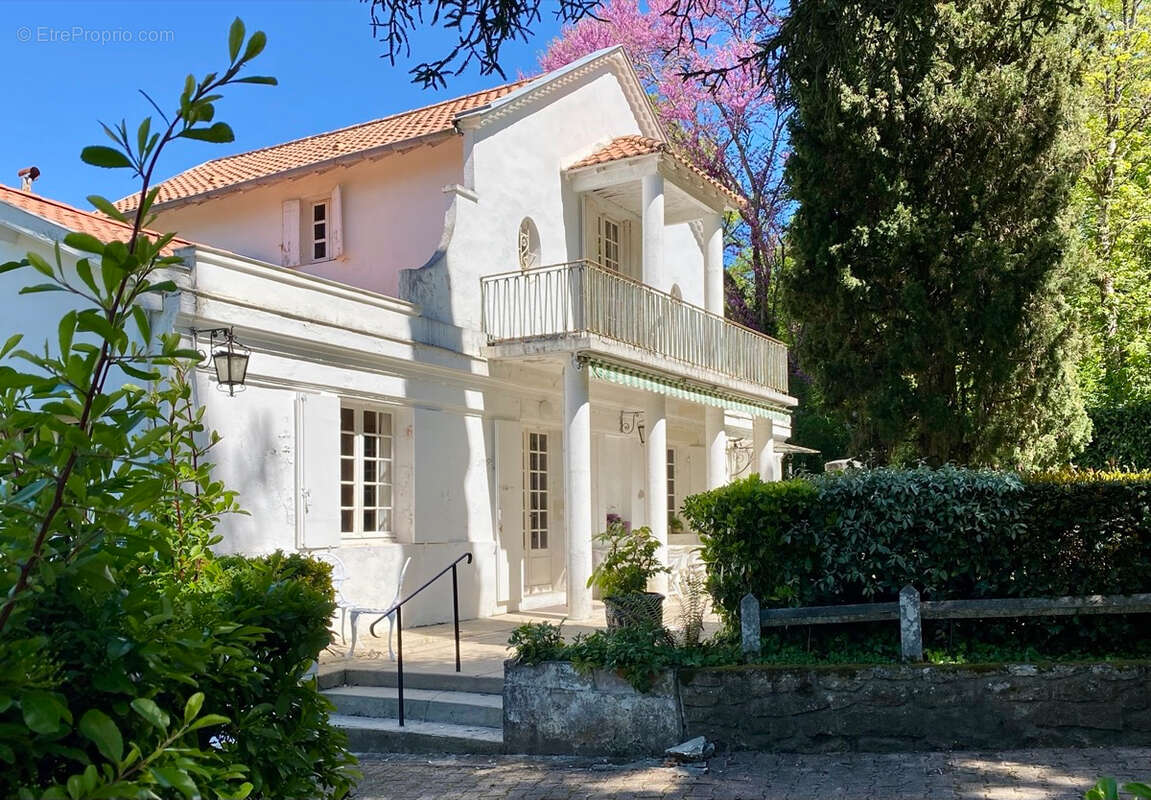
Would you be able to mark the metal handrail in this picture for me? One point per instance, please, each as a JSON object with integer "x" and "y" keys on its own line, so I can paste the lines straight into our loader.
{"x": 397, "y": 609}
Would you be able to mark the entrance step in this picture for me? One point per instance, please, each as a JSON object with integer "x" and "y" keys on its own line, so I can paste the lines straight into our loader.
{"x": 443, "y": 712}
{"x": 379, "y": 735}
{"x": 432, "y": 681}
{"x": 420, "y": 705}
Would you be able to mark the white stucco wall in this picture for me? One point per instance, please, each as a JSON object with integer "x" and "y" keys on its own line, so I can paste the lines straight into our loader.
{"x": 514, "y": 165}
{"x": 393, "y": 214}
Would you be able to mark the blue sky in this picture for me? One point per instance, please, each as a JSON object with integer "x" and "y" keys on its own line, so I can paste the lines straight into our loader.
{"x": 55, "y": 91}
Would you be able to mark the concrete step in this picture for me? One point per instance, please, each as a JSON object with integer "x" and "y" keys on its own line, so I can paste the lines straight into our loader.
{"x": 432, "y": 681}
{"x": 420, "y": 705}
{"x": 379, "y": 735}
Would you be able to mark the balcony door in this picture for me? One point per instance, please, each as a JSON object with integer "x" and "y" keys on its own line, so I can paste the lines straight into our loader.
{"x": 538, "y": 516}
{"x": 610, "y": 237}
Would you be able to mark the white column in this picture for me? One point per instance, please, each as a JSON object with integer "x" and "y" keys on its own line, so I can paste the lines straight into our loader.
{"x": 653, "y": 231}
{"x": 764, "y": 449}
{"x": 715, "y": 439}
{"x": 713, "y": 264}
{"x": 655, "y": 423}
{"x": 577, "y": 484}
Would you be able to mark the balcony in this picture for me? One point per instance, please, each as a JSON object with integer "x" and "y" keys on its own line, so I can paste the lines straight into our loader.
{"x": 582, "y": 300}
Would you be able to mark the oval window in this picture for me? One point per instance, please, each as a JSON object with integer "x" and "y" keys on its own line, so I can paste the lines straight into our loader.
{"x": 529, "y": 244}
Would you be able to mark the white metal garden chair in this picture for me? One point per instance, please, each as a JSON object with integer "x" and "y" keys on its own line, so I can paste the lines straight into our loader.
{"x": 354, "y": 612}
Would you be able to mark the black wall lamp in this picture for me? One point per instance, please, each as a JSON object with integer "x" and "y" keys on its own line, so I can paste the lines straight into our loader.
{"x": 229, "y": 358}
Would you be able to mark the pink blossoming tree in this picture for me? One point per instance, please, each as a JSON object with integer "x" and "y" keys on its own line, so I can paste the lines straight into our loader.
{"x": 705, "y": 72}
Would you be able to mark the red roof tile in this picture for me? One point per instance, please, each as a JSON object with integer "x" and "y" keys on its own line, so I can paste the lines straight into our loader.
{"x": 223, "y": 173}
{"x": 633, "y": 146}
{"x": 74, "y": 219}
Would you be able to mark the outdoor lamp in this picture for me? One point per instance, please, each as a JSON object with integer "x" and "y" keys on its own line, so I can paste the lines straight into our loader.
{"x": 229, "y": 359}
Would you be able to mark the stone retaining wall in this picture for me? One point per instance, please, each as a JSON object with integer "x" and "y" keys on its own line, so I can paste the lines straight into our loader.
{"x": 901, "y": 708}
{"x": 551, "y": 709}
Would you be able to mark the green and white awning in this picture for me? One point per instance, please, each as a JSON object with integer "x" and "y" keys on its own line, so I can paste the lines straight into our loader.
{"x": 626, "y": 376}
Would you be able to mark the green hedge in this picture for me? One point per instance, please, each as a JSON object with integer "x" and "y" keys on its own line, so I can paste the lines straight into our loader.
{"x": 1120, "y": 438}
{"x": 953, "y": 533}
{"x": 243, "y": 633}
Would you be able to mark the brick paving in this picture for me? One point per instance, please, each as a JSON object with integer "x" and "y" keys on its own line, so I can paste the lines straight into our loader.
{"x": 1016, "y": 775}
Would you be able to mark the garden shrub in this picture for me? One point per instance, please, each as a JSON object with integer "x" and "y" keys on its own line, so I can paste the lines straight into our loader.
{"x": 134, "y": 663}
{"x": 755, "y": 534}
{"x": 637, "y": 653}
{"x": 861, "y": 535}
{"x": 1119, "y": 438}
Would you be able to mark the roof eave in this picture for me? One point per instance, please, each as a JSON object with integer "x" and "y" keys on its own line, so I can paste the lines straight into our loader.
{"x": 315, "y": 167}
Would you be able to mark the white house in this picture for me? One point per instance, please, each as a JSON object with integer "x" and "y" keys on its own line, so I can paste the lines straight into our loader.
{"x": 480, "y": 326}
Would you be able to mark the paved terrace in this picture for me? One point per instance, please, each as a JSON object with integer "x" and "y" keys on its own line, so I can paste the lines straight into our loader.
{"x": 483, "y": 642}
{"x": 1017, "y": 775}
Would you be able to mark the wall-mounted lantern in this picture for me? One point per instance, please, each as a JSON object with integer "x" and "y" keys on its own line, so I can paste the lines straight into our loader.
{"x": 630, "y": 421}
{"x": 229, "y": 359}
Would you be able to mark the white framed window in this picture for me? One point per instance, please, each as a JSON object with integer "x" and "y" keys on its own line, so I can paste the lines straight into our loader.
{"x": 367, "y": 472}
{"x": 319, "y": 222}
{"x": 672, "y": 506}
{"x": 609, "y": 243}
{"x": 313, "y": 230}
{"x": 536, "y": 495}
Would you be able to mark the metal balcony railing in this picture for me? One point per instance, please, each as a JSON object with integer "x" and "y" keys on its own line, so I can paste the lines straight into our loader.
{"x": 583, "y": 297}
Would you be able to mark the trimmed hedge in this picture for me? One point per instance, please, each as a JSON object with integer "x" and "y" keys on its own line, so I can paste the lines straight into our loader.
{"x": 861, "y": 535}
{"x": 1120, "y": 438}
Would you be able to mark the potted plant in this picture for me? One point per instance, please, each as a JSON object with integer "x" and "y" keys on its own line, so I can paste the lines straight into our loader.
{"x": 623, "y": 574}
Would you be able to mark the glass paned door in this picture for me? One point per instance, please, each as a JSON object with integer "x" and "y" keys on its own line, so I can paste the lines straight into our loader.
{"x": 537, "y": 512}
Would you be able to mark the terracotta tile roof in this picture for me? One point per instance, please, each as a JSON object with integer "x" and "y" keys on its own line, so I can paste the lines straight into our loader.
{"x": 74, "y": 219}
{"x": 632, "y": 146}
{"x": 223, "y": 173}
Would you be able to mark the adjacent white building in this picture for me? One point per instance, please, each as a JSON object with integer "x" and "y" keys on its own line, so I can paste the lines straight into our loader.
{"x": 481, "y": 326}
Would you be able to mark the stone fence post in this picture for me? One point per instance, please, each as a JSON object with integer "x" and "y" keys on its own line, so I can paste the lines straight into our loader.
{"x": 749, "y": 625}
{"x": 910, "y": 624}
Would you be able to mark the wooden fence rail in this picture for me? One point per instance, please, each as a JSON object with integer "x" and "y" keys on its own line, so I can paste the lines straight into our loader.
{"x": 911, "y": 611}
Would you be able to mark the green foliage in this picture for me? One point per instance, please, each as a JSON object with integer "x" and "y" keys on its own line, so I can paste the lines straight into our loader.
{"x": 862, "y": 535}
{"x": 1113, "y": 208}
{"x": 638, "y": 653}
{"x": 133, "y": 663}
{"x": 630, "y": 561}
{"x": 932, "y": 162}
{"x": 754, "y": 534}
{"x": 536, "y": 642}
{"x": 1119, "y": 438}
{"x": 1108, "y": 789}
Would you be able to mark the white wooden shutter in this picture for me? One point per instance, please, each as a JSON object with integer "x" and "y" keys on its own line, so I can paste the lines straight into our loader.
{"x": 335, "y": 225}
{"x": 317, "y": 470}
{"x": 290, "y": 241}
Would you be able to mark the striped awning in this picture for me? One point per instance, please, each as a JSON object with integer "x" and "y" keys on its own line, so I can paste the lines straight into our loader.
{"x": 684, "y": 390}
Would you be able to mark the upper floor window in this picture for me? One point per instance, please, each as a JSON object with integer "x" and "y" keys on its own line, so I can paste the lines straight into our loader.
{"x": 529, "y": 244}
{"x": 320, "y": 230}
{"x": 367, "y": 467}
{"x": 312, "y": 230}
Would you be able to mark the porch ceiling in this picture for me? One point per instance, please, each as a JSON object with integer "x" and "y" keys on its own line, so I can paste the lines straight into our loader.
{"x": 687, "y": 196}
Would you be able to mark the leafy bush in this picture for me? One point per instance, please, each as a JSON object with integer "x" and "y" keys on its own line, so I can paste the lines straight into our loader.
{"x": 630, "y": 561}
{"x": 536, "y": 642}
{"x": 133, "y": 662}
{"x": 1108, "y": 789}
{"x": 754, "y": 534}
{"x": 861, "y": 535}
{"x": 638, "y": 653}
{"x": 1119, "y": 438}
